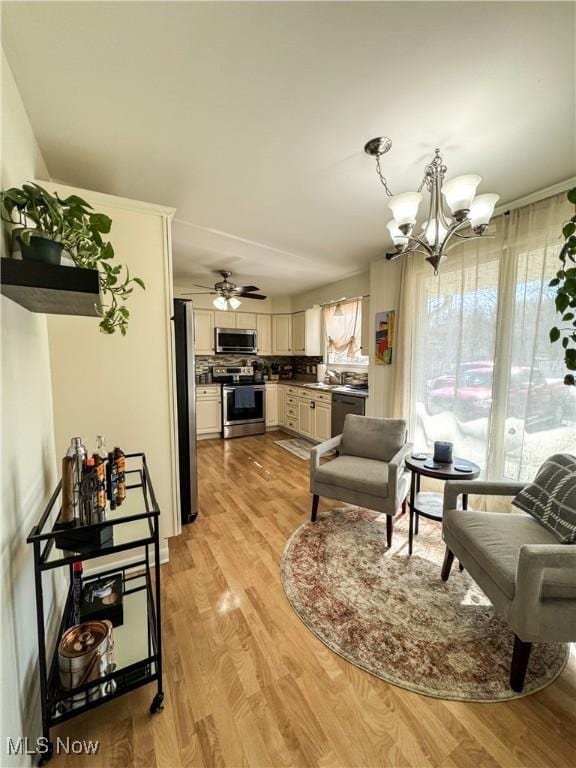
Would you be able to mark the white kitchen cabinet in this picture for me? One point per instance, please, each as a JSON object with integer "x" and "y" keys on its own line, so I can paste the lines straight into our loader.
{"x": 367, "y": 330}
{"x": 246, "y": 320}
{"x": 208, "y": 410}
{"x": 264, "y": 334}
{"x": 272, "y": 405}
{"x": 313, "y": 333}
{"x": 224, "y": 319}
{"x": 306, "y": 417}
{"x": 204, "y": 332}
{"x": 322, "y": 421}
{"x": 281, "y": 405}
{"x": 282, "y": 334}
{"x": 299, "y": 333}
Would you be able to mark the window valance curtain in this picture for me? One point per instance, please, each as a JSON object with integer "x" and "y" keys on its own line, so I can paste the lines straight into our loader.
{"x": 342, "y": 327}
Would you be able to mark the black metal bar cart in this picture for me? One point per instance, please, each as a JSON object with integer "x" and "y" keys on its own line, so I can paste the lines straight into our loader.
{"x": 137, "y": 640}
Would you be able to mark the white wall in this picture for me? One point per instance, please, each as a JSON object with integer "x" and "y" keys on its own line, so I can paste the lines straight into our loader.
{"x": 118, "y": 386}
{"x": 349, "y": 288}
{"x": 384, "y": 294}
{"x": 28, "y": 458}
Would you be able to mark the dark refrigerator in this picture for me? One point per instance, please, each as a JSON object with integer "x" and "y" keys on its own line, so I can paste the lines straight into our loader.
{"x": 186, "y": 408}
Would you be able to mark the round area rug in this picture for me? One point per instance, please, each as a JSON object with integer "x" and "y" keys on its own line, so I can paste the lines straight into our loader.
{"x": 394, "y": 617}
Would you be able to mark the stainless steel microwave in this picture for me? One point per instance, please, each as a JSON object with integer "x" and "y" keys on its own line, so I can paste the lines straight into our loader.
{"x": 235, "y": 341}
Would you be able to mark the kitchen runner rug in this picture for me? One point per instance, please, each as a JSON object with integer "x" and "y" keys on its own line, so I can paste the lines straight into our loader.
{"x": 299, "y": 447}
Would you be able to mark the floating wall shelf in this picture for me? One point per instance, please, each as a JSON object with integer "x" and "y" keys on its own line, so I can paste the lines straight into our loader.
{"x": 50, "y": 289}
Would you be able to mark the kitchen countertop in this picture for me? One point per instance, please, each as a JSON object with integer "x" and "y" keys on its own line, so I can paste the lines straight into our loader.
{"x": 313, "y": 386}
{"x": 331, "y": 388}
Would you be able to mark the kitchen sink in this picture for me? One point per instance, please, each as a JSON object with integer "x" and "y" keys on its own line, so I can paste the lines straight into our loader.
{"x": 319, "y": 385}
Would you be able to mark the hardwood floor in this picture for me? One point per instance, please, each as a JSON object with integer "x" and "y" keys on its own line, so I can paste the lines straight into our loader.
{"x": 248, "y": 685}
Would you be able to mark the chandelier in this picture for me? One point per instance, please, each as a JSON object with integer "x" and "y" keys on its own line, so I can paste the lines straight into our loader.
{"x": 454, "y": 207}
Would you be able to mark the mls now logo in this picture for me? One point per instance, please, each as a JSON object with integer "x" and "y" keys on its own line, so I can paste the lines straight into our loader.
{"x": 41, "y": 746}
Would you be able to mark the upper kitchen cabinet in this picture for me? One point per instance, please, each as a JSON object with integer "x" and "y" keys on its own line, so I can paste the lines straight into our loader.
{"x": 281, "y": 334}
{"x": 224, "y": 319}
{"x": 246, "y": 320}
{"x": 299, "y": 333}
{"x": 264, "y": 334}
{"x": 313, "y": 336}
{"x": 204, "y": 331}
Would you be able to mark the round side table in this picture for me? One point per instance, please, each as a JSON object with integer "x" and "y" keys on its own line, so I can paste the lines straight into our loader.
{"x": 430, "y": 505}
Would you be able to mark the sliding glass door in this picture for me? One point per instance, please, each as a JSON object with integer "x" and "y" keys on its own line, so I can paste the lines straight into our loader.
{"x": 484, "y": 374}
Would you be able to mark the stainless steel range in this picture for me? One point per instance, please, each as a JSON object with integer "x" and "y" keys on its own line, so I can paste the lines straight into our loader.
{"x": 243, "y": 401}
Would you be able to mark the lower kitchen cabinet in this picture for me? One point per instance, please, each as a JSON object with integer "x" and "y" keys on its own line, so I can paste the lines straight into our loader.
{"x": 322, "y": 422}
{"x": 306, "y": 417}
{"x": 281, "y": 405}
{"x": 208, "y": 411}
{"x": 272, "y": 405}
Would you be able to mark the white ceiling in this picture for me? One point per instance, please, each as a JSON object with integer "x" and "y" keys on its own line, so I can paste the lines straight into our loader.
{"x": 250, "y": 118}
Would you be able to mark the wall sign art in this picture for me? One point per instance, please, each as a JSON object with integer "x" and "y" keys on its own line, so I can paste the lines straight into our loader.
{"x": 384, "y": 336}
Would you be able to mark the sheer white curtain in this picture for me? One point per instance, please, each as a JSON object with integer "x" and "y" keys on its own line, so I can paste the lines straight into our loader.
{"x": 475, "y": 365}
{"x": 342, "y": 323}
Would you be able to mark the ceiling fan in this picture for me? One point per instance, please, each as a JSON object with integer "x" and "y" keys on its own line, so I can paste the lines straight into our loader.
{"x": 226, "y": 292}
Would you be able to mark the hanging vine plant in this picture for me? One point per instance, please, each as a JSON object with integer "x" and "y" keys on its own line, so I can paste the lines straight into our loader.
{"x": 44, "y": 225}
{"x": 565, "y": 284}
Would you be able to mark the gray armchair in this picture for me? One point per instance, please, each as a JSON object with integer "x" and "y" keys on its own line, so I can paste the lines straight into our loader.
{"x": 370, "y": 469}
{"x": 527, "y": 574}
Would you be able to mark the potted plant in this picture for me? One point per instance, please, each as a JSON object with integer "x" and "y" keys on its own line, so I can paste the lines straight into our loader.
{"x": 44, "y": 225}
{"x": 565, "y": 284}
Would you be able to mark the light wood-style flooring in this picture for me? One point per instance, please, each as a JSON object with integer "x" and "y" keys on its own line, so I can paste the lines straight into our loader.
{"x": 248, "y": 685}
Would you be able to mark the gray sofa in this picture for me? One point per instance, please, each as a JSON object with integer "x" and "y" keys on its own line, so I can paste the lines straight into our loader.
{"x": 370, "y": 469}
{"x": 529, "y": 576}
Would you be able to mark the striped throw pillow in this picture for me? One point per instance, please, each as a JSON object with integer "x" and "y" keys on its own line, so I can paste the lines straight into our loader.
{"x": 551, "y": 498}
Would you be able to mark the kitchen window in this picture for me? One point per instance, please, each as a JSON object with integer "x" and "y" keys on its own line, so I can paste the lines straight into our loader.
{"x": 343, "y": 328}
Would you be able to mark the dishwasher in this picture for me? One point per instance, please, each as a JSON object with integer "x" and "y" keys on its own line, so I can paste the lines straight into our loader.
{"x": 341, "y": 405}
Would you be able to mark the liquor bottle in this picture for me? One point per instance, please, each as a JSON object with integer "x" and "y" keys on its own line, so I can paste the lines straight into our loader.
{"x": 101, "y": 447}
{"x": 100, "y": 468}
{"x": 67, "y": 514}
{"x": 77, "y": 452}
{"x": 120, "y": 459}
{"x": 111, "y": 480}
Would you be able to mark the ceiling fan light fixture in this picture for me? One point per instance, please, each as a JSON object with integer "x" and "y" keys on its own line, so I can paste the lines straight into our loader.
{"x": 234, "y": 302}
{"x": 220, "y": 303}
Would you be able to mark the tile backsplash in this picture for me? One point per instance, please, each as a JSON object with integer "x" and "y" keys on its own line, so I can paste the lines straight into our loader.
{"x": 205, "y": 363}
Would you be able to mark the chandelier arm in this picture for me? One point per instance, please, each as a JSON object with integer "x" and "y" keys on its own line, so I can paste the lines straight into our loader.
{"x": 421, "y": 242}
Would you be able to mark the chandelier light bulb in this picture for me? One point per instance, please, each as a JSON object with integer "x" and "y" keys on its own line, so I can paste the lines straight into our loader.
{"x": 459, "y": 191}
{"x": 482, "y": 208}
{"x": 397, "y": 237}
{"x": 234, "y": 302}
{"x": 405, "y": 208}
{"x": 220, "y": 303}
{"x": 429, "y": 229}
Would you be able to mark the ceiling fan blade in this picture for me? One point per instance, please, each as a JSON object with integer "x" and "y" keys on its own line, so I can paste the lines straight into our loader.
{"x": 245, "y": 288}
{"x": 200, "y": 293}
{"x": 253, "y": 296}
{"x": 208, "y": 287}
